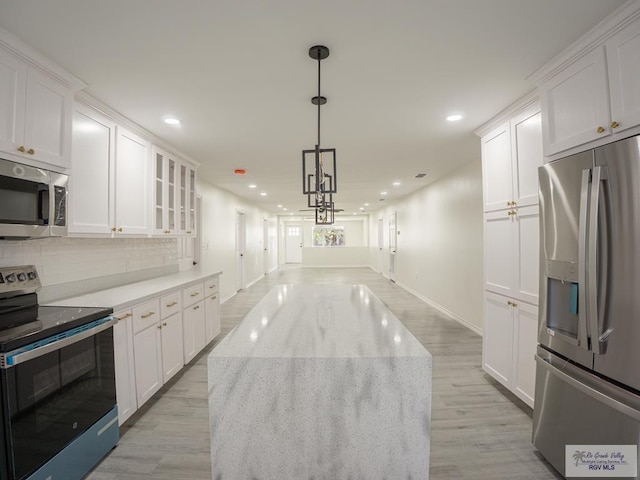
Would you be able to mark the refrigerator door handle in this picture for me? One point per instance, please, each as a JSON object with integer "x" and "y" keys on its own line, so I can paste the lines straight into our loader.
{"x": 582, "y": 256}
{"x": 599, "y": 175}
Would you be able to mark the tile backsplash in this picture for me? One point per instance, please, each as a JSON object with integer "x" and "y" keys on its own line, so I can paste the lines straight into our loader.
{"x": 67, "y": 260}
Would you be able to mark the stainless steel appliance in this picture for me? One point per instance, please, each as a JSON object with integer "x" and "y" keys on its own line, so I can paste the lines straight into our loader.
{"x": 58, "y": 412}
{"x": 33, "y": 201}
{"x": 588, "y": 358}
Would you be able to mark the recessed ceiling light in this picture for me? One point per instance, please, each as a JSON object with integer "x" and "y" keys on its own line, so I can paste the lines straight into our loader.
{"x": 454, "y": 118}
{"x": 366, "y": 204}
{"x": 253, "y": 185}
{"x": 263, "y": 194}
{"x": 171, "y": 121}
{"x": 284, "y": 209}
{"x": 396, "y": 184}
{"x": 279, "y": 206}
{"x": 383, "y": 193}
{"x": 362, "y": 209}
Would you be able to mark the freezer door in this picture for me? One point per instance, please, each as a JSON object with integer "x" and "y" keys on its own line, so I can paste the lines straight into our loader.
{"x": 564, "y": 200}
{"x": 575, "y": 407}
{"x": 617, "y": 263}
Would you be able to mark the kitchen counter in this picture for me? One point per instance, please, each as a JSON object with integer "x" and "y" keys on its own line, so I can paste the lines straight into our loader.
{"x": 320, "y": 381}
{"x": 128, "y": 295}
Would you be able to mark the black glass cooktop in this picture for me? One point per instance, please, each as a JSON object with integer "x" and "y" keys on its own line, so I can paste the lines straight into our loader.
{"x": 22, "y": 322}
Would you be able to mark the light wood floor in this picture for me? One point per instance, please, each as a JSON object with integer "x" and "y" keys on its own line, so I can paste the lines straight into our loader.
{"x": 479, "y": 430}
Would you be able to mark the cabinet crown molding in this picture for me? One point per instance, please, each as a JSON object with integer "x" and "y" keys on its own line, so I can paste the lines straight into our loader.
{"x": 594, "y": 38}
{"x": 530, "y": 100}
{"x": 35, "y": 59}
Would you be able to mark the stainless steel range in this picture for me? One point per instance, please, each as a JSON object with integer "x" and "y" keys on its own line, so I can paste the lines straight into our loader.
{"x": 57, "y": 383}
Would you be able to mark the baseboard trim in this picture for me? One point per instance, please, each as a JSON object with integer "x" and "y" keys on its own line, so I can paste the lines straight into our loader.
{"x": 453, "y": 316}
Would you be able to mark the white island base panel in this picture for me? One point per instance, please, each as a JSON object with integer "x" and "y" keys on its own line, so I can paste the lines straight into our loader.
{"x": 320, "y": 382}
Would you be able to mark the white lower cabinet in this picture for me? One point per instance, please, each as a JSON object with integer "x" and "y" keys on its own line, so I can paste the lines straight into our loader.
{"x": 147, "y": 350}
{"x": 171, "y": 335}
{"x": 155, "y": 339}
{"x": 124, "y": 365}
{"x": 193, "y": 320}
{"x": 509, "y": 344}
{"x": 194, "y": 330}
{"x": 212, "y": 310}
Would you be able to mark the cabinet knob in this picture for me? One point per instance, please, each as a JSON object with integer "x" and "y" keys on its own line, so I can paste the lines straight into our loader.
{"x": 113, "y": 229}
{"x": 31, "y": 151}
{"x": 21, "y": 149}
{"x": 164, "y": 324}
{"x": 615, "y": 124}
{"x": 509, "y": 303}
{"x": 197, "y": 307}
{"x": 512, "y": 212}
{"x": 159, "y": 327}
{"x": 167, "y": 231}
{"x": 600, "y": 130}
{"x": 120, "y": 229}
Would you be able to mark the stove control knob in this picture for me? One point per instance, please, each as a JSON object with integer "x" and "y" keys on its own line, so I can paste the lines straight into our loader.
{"x": 10, "y": 278}
{"x": 32, "y": 275}
{"x": 22, "y": 277}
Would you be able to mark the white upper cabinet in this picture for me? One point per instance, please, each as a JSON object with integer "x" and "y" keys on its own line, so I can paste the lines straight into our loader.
{"x": 623, "y": 62}
{"x": 591, "y": 92}
{"x": 174, "y": 195}
{"x": 132, "y": 178}
{"x": 511, "y": 155}
{"x": 576, "y": 104}
{"x": 496, "y": 174}
{"x": 91, "y": 183}
{"x": 35, "y": 114}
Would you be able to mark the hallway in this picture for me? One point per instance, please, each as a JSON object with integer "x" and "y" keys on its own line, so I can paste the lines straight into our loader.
{"x": 479, "y": 430}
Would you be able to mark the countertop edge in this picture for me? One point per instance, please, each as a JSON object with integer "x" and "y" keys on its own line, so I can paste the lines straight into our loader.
{"x": 131, "y": 294}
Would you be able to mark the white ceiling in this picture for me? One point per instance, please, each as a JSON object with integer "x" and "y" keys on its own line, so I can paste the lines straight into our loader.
{"x": 238, "y": 75}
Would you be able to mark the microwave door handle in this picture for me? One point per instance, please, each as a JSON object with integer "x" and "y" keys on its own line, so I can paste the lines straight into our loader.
{"x": 582, "y": 259}
{"x": 593, "y": 272}
{"x": 44, "y": 204}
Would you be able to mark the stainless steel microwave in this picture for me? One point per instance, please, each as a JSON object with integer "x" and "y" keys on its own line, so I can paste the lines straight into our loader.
{"x": 33, "y": 201}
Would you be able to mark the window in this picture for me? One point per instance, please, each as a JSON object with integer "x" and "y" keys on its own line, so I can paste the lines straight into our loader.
{"x": 328, "y": 236}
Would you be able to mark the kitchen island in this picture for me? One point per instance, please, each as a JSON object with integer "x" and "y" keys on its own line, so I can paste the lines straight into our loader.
{"x": 322, "y": 382}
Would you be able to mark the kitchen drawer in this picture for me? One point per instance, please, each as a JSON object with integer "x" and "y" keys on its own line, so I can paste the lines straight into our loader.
{"x": 192, "y": 295}
{"x": 145, "y": 315}
{"x": 170, "y": 304}
{"x": 211, "y": 286}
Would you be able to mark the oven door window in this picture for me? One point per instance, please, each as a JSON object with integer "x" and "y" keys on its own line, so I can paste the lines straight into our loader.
{"x": 55, "y": 397}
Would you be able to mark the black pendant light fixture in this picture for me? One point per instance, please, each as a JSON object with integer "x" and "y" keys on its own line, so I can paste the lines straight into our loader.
{"x": 319, "y": 176}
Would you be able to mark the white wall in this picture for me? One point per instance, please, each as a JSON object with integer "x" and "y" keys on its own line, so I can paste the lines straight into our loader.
{"x": 219, "y": 213}
{"x": 439, "y": 254}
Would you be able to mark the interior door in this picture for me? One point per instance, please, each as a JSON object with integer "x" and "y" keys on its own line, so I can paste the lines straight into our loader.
{"x": 393, "y": 244}
{"x": 293, "y": 245}
{"x": 381, "y": 245}
{"x": 617, "y": 264}
{"x": 241, "y": 244}
{"x": 265, "y": 244}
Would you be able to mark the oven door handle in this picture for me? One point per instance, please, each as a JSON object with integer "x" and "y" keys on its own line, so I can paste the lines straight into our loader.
{"x": 20, "y": 355}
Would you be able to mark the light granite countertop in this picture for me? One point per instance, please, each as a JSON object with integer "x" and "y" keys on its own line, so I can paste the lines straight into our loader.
{"x": 320, "y": 321}
{"x": 320, "y": 381}
{"x": 128, "y": 295}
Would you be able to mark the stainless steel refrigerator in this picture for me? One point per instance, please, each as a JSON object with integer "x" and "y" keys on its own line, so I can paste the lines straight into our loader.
{"x": 588, "y": 357}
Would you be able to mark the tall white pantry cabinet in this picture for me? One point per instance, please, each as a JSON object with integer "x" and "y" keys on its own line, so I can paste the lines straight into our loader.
{"x": 511, "y": 155}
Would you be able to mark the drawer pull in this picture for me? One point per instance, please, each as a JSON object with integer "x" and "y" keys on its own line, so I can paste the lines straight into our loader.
{"x": 196, "y": 307}
{"x": 159, "y": 327}
{"x": 195, "y": 294}
{"x": 147, "y": 315}
{"x": 172, "y": 304}
{"x": 212, "y": 286}
{"x": 124, "y": 317}
{"x": 214, "y": 297}
{"x": 164, "y": 324}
